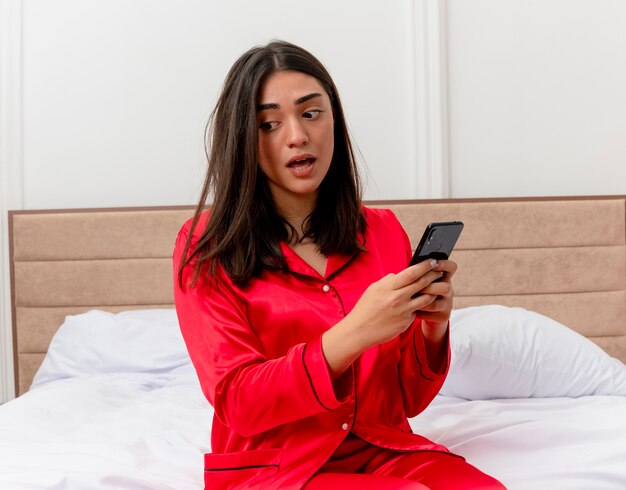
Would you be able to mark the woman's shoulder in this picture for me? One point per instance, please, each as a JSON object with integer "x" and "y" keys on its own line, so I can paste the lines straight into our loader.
{"x": 196, "y": 230}
{"x": 380, "y": 217}
{"x": 199, "y": 227}
{"x": 384, "y": 229}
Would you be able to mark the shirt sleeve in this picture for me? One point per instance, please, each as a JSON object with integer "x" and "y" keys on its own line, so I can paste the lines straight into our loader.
{"x": 250, "y": 393}
{"x": 420, "y": 384}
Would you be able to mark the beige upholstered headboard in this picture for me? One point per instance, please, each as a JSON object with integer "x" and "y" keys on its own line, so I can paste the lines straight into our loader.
{"x": 564, "y": 257}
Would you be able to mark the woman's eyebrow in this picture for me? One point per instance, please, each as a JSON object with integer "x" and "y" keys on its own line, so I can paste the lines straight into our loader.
{"x": 298, "y": 101}
{"x": 265, "y": 107}
{"x": 304, "y": 98}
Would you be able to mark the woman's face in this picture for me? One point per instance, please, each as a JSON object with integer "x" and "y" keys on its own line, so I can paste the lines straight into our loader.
{"x": 296, "y": 142}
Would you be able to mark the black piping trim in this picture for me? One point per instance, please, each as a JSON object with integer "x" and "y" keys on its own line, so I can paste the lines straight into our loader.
{"x": 419, "y": 362}
{"x": 306, "y": 370}
{"x": 350, "y": 260}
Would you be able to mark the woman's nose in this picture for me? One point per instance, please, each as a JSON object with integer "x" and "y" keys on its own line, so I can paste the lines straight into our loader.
{"x": 297, "y": 134}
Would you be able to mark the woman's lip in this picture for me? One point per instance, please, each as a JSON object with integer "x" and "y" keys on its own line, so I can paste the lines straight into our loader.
{"x": 303, "y": 169}
{"x": 298, "y": 158}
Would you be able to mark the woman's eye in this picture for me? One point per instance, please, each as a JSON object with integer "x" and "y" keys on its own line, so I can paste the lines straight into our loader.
{"x": 312, "y": 114}
{"x": 268, "y": 126}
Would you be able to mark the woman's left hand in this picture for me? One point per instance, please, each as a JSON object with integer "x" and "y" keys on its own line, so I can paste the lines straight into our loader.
{"x": 438, "y": 312}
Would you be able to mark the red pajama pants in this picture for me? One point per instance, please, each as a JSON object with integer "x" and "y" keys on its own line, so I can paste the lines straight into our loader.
{"x": 359, "y": 465}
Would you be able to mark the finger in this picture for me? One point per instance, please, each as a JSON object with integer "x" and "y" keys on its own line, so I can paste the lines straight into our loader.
{"x": 412, "y": 274}
{"x": 437, "y": 306}
{"x": 422, "y": 301}
{"x": 422, "y": 283}
{"x": 448, "y": 267}
{"x": 442, "y": 289}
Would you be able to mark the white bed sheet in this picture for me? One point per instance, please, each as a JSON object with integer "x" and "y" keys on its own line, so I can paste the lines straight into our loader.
{"x": 536, "y": 443}
{"x": 114, "y": 431}
{"x": 147, "y": 431}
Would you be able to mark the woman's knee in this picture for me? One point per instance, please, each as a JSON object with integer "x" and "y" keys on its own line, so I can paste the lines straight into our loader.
{"x": 439, "y": 471}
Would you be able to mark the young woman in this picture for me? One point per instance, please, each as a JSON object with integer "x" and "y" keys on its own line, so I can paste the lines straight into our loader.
{"x": 296, "y": 304}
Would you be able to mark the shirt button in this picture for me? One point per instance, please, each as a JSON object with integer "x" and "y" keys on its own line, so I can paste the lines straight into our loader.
{"x": 326, "y": 288}
{"x": 344, "y": 426}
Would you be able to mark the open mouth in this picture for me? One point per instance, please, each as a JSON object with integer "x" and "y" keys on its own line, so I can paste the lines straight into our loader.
{"x": 301, "y": 163}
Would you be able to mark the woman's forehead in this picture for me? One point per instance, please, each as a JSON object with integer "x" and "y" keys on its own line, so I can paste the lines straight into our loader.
{"x": 288, "y": 86}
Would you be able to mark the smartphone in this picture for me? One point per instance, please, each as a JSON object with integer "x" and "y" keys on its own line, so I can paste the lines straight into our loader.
{"x": 437, "y": 241}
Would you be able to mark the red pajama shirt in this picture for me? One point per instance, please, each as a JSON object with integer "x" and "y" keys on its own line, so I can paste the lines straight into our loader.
{"x": 258, "y": 354}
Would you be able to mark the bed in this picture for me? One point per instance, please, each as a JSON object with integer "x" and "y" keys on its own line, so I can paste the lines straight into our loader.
{"x": 536, "y": 394}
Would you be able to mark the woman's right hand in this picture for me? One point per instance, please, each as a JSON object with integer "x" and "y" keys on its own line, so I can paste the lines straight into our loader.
{"x": 385, "y": 310}
{"x": 387, "y": 307}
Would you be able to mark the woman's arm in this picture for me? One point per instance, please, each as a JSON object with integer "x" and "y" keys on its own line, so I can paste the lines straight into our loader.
{"x": 385, "y": 310}
{"x": 425, "y": 358}
{"x": 436, "y": 316}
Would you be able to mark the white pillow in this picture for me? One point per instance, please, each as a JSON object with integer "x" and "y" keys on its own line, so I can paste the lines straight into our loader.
{"x": 101, "y": 342}
{"x": 501, "y": 352}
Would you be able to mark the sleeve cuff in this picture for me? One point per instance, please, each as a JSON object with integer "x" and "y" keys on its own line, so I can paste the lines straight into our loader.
{"x": 422, "y": 359}
{"x": 319, "y": 377}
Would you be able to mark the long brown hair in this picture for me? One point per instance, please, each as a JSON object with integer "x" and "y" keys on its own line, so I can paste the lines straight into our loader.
{"x": 244, "y": 229}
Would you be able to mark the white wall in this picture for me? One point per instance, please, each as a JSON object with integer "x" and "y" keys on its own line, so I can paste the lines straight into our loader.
{"x": 537, "y": 97}
{"x": 116, "y": 93}
{"x": 104, "y": 103}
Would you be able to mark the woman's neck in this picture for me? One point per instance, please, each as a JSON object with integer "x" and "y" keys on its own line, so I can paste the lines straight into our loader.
{"x": 296, "y": 221}
{"x": 295, "y": 212}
